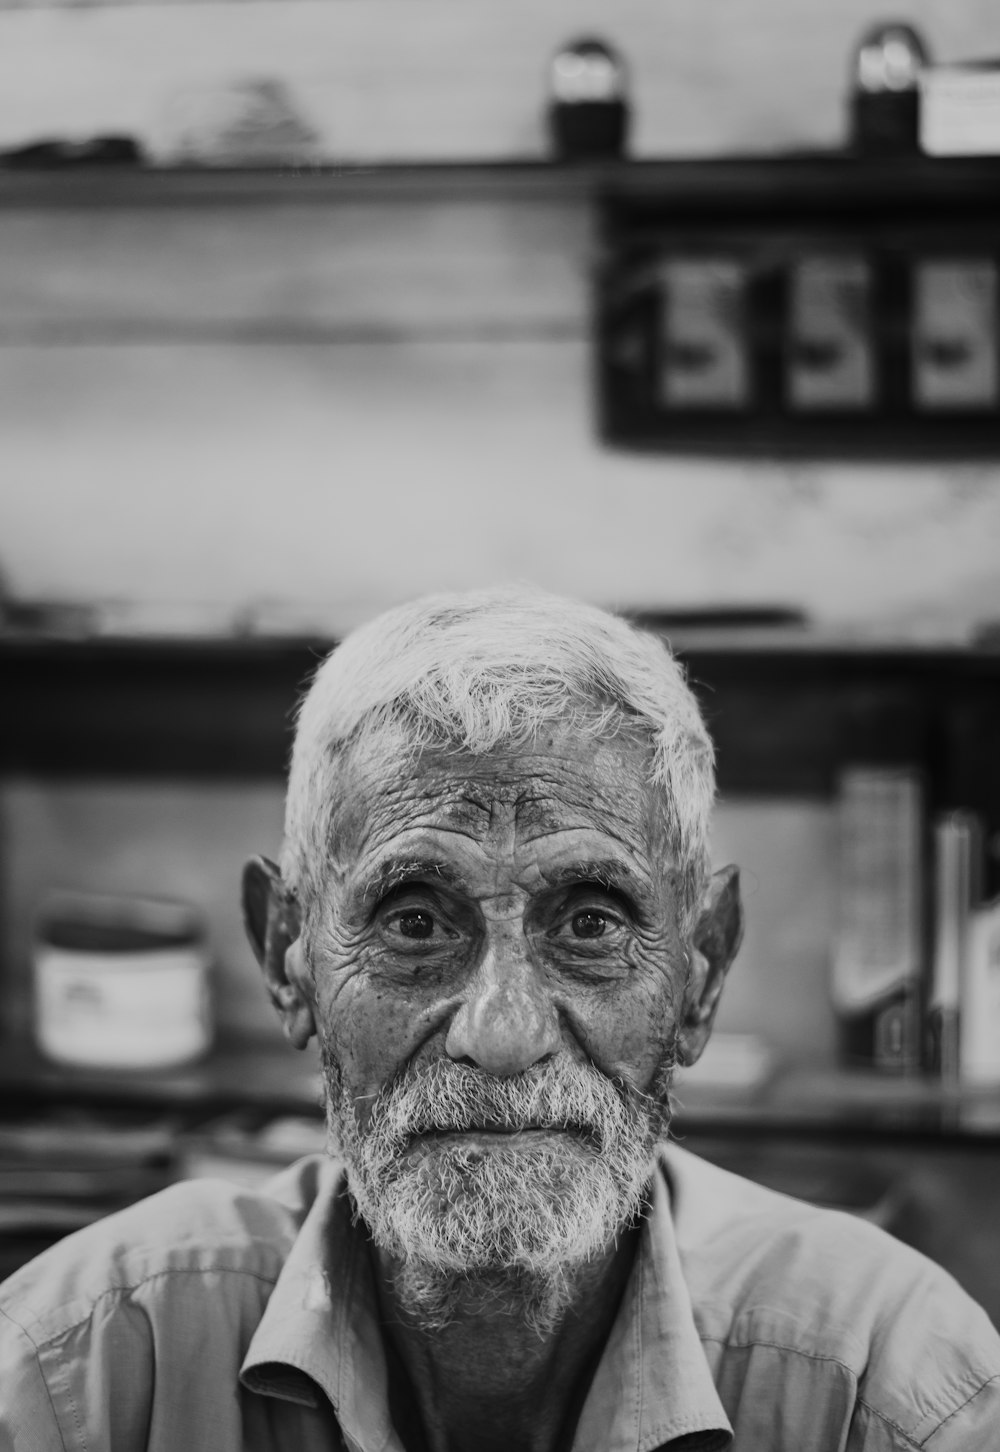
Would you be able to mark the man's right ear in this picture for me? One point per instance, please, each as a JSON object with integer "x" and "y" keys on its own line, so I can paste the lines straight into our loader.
{"x": 273, "y": 921}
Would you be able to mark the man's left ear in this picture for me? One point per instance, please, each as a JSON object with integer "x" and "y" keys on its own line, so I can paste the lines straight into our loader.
{"x": 273, "y": 921}
{"x": 714, "y": 944}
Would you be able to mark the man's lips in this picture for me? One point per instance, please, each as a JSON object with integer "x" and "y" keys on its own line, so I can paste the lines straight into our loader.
{"x": 496, "y": 1130}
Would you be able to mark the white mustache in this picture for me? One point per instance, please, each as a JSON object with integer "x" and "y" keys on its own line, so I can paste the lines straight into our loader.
{"x": 451, "y": 1098}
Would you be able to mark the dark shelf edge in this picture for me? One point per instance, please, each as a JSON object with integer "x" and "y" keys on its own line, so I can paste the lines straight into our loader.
{"x": 269, "y": 1080}
{"x": 221, "y": 186}
{"x": 806, "y": 179}
{"x": 798, "y": 649}
{"x": 224, "y": 708}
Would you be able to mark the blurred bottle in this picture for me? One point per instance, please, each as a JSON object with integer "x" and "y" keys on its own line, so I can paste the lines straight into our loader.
{"x": 880, "y": 930}
{"x": 588, "y": 109}
{"x": 885, "y": 96}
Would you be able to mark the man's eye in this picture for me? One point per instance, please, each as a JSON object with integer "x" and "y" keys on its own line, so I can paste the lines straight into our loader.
{"x": 414, "y": 923}
{"x": 588, "y": 924}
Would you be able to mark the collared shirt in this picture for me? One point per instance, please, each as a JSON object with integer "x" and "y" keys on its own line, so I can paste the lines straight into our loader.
{"x": 213, "y": 1317}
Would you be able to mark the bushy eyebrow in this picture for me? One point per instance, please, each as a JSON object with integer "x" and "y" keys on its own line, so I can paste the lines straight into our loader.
{"x": 609, "y": 873}
{"x": 606, "y": 872}
{"x": 394, "y": 872}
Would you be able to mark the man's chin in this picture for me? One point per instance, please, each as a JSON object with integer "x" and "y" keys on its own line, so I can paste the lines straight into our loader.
{"x": 502, "y": 1218}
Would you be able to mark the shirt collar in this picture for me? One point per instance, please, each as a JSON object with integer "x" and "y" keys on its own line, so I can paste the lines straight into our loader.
{"x": 321, "y": 1329}
{"x": 653, "y": 1383}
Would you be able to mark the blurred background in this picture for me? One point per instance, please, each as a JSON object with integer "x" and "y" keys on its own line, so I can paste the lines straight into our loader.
{"x": 310, "y": 306}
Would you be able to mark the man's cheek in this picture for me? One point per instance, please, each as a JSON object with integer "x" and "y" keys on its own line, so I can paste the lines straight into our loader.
{"x": 373, "y": 1037}
{"x": 628, "y": 1034}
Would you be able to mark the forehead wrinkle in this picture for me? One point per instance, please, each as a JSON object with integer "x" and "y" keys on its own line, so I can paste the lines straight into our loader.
{"x": 543, "y": 802}
{"x": 468, "y": 812}
{"x": 497, "y": 804}
{"x": 383, "y": 813}
{"x": 595, "y": 820}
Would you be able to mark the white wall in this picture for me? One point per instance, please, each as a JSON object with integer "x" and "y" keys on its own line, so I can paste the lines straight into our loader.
{"x": 167, "y": 464}
{"x": 429, "y": 79}
{"x": 359, "y": 475}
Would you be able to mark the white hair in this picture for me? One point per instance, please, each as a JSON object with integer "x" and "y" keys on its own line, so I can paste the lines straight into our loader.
{"x": 487, "y": 669}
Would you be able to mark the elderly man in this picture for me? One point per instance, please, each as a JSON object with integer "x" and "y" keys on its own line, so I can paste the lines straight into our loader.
{"x": 494, "y": 912}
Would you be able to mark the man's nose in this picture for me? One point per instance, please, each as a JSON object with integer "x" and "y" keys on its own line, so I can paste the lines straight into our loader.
{"x": 507, "y": 1020}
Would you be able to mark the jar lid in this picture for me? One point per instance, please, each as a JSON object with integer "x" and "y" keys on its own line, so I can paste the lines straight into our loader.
{"x": 99, "y": 923}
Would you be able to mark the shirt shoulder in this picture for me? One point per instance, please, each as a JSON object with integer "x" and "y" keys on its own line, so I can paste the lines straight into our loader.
{"x": 159, "y": 1300}
{"x": 196, "y": 1226}
{"x": 822, "y": 1292}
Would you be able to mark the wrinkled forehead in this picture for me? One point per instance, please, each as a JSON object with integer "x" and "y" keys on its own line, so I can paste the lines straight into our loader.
{"x": 562, "y": 780}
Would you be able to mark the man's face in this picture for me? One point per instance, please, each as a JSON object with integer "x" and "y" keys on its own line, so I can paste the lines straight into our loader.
{"x": 496, "y": 977}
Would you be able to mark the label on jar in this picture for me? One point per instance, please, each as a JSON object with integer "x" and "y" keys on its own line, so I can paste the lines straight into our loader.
{"x": 121, "y": 1010}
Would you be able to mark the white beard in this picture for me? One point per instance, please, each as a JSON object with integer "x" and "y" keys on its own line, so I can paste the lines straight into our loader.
{"x": 513, "y": 1218}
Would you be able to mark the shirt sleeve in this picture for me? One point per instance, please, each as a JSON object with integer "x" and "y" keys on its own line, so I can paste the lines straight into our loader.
{"x": 933, "y": 1381}
{"x": 27, "y": 1418}
{"x": 972, "y": 1427}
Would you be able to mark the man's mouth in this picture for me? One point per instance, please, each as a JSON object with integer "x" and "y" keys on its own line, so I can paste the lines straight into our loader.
{"x": 501, "y": 1132}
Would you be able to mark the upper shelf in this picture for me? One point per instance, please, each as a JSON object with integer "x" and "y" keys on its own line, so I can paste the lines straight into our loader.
{"x": 822, "y": 182}
{"x": 796, "y": 1103}
{"x": 783, "y": 714}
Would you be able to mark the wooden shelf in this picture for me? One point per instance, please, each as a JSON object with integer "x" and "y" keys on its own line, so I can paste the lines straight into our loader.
{"x": 781, "y": 714}
{"x": 795, "y": 1104}
{"x": 820, "y": 181}
{"x": 270, "y": 1078}
{"x": 805, "y": 1104}
{"x": 141, "y": 187}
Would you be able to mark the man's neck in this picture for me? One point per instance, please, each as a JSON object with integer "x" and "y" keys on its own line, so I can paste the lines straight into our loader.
{"x": 489, "y": 1379}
